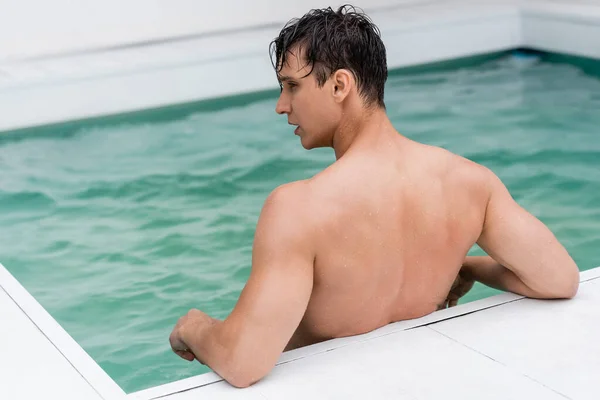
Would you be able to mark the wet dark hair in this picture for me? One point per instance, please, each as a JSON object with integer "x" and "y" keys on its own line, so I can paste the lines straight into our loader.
{"x": 332, "y": 40}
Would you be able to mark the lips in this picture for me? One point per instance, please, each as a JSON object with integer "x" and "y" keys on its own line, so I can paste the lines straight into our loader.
{"x": 297, "y": 127}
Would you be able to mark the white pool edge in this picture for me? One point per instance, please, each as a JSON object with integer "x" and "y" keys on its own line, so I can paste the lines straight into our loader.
{"x": 108, "y": 389}
{"x": 320, "y": 348}
{"x": 104, "y": 385}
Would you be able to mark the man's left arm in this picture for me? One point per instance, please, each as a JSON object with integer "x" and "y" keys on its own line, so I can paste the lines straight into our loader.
{"x": 244, "y": 348}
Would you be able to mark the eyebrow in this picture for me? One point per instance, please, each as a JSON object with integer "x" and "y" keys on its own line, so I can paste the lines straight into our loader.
{"x": 284, "y": 78}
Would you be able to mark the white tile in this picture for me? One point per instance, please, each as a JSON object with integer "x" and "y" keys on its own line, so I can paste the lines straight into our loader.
{"x": 414, "y": 364}
{"x": 453, "y": 312}
{"x": 181, "y": 385}
{"x": 220, "y": 391}
{"x": 324, "y": 347}
{"x": 194, "y": 384}
{"x": 554, "y": 342}
{"x": 30, "y": 366}
{"x": 51, "y": 338}
{"x": 590, "y": 274}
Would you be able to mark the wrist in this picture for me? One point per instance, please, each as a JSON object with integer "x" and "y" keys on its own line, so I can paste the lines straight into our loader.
{"x": 196, "y": 333}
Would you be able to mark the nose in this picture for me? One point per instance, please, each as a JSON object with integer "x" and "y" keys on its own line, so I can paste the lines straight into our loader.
{"x": 283, "y": 105}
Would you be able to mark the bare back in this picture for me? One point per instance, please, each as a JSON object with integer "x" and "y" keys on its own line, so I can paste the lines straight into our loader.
{"x": 395, "y": 224}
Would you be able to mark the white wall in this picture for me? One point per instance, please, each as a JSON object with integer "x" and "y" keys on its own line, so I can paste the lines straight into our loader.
{"x": 30, "y": 28}
{"x": 52, "y": 90}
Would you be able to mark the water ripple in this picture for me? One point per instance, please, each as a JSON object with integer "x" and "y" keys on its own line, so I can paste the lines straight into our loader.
{"x": 25, "y": 201}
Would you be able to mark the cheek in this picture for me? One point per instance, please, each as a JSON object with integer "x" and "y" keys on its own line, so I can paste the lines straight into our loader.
{"x": 326, "y": 113}
{"x": 316, "y": 109}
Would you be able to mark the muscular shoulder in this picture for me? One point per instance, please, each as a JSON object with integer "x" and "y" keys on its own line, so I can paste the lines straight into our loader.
{"x": 470, "y": 184}
{"x": 468, "y": 174}
{"x": 287, "y": 212}
{"x": 288, "y": 196}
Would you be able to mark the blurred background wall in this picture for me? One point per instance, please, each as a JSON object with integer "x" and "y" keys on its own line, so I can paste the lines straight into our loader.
{"x": 33, "y": 28}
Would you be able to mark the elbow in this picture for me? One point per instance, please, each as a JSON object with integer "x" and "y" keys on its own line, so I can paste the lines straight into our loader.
{"x": 572, "y": 289}
{"x": 240, "y": 382}
{"x": 240, "y": 363}
{"x": 564, "y": 287}
{"x": 569, "y": 293}
{"x": 573, "y": 286}
{"x": 569, "y": 287}
{"x": 242, "y": 379}
{"x": 245, "y": 373}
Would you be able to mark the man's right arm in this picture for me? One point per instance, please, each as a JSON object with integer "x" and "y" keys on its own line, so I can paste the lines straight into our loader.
{"x": 526, "y": 257}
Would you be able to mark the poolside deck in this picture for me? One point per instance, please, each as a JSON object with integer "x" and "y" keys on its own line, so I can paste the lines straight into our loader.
{"x": 501, "y": 347}
{"x": 38, "y": 358}
{"x": 504, "y": 347}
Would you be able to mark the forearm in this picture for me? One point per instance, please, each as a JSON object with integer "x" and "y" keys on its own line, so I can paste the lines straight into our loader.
{"x": 486, "y": 270}
{"x": 210, "y": 348}
{"x": 219, "y": 348}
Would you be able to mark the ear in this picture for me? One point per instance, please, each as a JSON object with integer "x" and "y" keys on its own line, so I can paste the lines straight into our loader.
{"x": 342, "y": 83}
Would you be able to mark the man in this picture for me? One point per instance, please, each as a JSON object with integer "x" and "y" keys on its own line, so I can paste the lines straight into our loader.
{"x": 379, "y": 236}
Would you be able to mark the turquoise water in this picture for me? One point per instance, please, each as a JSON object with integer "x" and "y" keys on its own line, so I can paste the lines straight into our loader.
{"x": 119, "y": 228}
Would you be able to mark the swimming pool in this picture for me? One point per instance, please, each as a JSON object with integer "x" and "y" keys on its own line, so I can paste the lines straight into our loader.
{"x": 118, "y": 228}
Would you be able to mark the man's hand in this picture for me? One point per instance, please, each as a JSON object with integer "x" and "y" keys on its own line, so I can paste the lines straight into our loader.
{"x": 461, "y": 286}
{"x": 190, "y": 327}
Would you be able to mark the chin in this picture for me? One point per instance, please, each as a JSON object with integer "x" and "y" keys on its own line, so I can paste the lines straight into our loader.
{"x": 310, "y": 143}
{"x": 307, "y": 144}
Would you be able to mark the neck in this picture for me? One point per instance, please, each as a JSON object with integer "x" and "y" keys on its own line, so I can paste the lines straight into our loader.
{"x": 359, "y": 125}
